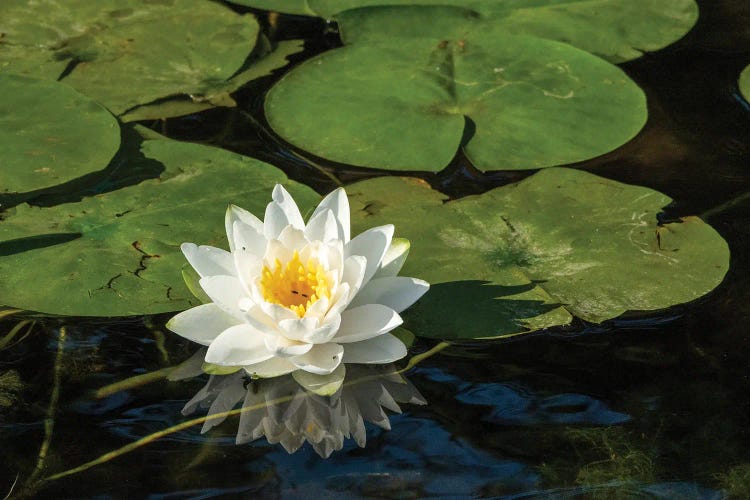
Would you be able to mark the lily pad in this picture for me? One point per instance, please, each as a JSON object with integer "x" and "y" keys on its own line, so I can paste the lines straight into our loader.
{"x": 126, "y": 53}
{"x": 522, "y": 257}
{"x": 259, "y": 66}
{"x": 50, "y": 134}
{"x": 744, "y": 83}
{"x": 618, "y": 30}
{"x": 404, "y": 105}
{"x": 118, "y": 253}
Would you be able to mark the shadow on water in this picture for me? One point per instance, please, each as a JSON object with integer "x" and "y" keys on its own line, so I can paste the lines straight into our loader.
{"x": 492, "y": 310}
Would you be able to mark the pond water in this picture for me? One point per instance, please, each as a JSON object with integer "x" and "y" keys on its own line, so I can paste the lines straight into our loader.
{"x": 645, "y": 406}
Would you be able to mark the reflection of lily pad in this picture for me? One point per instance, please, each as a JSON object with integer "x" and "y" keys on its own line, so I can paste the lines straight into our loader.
{"x": 745, "y": 83}
{"x": 126, "y": 53}
{"x": 615, "y": 29}
{"x": 118, "y": 253}
{"x": 50, "y": 134}
{"x": 401, "y": 106}
{"x": 526, "y": 256}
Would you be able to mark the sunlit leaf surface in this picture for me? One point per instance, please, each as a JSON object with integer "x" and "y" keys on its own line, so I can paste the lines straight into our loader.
{"x": 118, "y": 253}
{"x": 514, "y": 102}
{"x": 126, "y": 53}
{"x": 530, "y": 255}
{"x": 50, "y": 134}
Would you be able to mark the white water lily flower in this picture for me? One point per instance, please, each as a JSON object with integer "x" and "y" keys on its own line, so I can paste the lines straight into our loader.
{"x": 290, "y": 295}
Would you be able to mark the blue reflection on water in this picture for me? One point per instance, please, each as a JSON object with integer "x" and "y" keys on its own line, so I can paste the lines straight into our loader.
{"x": 514, "y": 404}
{"x": 416, "y": 454}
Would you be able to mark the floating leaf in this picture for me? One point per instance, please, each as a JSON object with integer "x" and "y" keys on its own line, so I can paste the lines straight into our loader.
{"x": 402, "y": 106}
{"x": 219, "y": 95}
{"x": 618, "y": 30}
{"x": 744, "y": 83}
{"x": 50, "y": 134}
{"x": 118, "y": 253}
{"x": 126, "y": 53}
{"x": 530, "y": 255}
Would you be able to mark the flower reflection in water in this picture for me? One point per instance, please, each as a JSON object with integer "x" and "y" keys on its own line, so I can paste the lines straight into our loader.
{"x": 290, "y": 411}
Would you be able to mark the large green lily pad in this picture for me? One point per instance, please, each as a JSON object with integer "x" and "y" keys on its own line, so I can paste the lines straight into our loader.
{"x": 559, "y": 244}
{"x": 618, "y": 30}
{"x": 50, "y": 134}
{"x": 402, "y": 106}
{"x": 744, "y": 83}
{"x": 126, "y": 53}
{"x": 118, "y": 253}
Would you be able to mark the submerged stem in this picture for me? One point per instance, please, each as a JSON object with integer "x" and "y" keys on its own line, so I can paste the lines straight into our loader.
{"x": 132, "y": 382}
{"x": 726, "y": 205}
{"x": 49, "y": 421}
{"x": 9, "y": 312}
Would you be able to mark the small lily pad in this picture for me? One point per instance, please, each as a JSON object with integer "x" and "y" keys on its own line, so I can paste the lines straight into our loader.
{"x": 50, "y": 134}
{"x": 526, "y": 256}
{"x": 744, "y": 83}
{"x": 404, "y": 105}
{"x": 127, "y": 53}
{"x": 118, "y": 253}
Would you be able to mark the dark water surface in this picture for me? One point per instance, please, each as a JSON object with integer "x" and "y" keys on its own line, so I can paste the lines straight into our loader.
{"x": 640, "y": 407}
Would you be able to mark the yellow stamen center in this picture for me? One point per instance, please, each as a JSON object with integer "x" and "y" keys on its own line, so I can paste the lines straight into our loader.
{"x": 295, "y": 285}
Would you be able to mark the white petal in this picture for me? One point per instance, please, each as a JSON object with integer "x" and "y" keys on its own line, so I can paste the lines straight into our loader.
{"x": 338, "y": 302}
{"x": 338, "y": 203}
{"x": 364, "y": 322}
{"x": 372, "y": 245}
{"x": 318, "y": 309}
{"x": 281, "y": 212}
{"x": 322, "y": 385}
{"x": 396, "y": 292}
{"x": 260, "y": 320}
{"x": 292, "y": 238}
{"x": 235, "y": 213}
{"x": 298, "y": 328}
{"x": 238, "y": 345}
{"x": 394, "y": 258}
{"x": 354, "y": 272}
{"x": 277, "y": 312}
{"x": 322, "y": 359}
{"x": 382, "y": 349}
{"x": 248, "y": 239}
{"x": 323, "y": 227}
{"x": 282, "y": 347}
{"x": 201, "y": 324}
{"x": 226, "y": 292}
{"x": 325, "y": 332}
{"x": 273, "y": 367}
{"x": 277, "y": 250}
{"x": 249, "y": 268}
{"x": 209, "y": 261}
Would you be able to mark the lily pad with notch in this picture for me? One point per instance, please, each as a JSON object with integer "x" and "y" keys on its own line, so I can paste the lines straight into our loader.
{"x": 562, "y": 243}
{"x": 403, "y": 105}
